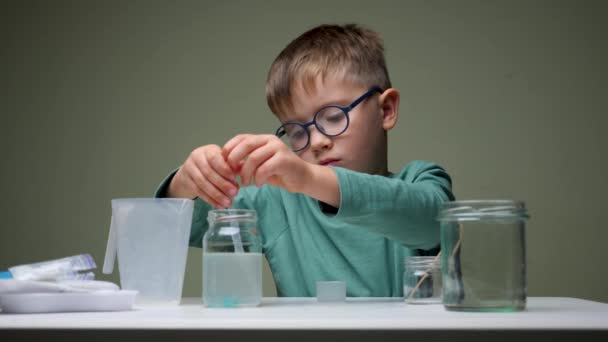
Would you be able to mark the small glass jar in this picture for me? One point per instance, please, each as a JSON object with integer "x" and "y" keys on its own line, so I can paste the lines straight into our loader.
{"x": 422, "y": 280}
{"x": 232, "y": 259}
{"x": 483, "y": 255}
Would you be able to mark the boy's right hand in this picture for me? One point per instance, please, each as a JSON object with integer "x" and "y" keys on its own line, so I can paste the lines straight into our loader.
{"x": 206, "y": 175}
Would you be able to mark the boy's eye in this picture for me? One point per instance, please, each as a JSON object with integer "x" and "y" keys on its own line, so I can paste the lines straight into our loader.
{"x": 297, "y": 134}
{"x": 335, "y": 117}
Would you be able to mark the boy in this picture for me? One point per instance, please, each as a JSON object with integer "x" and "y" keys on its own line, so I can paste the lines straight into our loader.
{"x": 328, "y": 208}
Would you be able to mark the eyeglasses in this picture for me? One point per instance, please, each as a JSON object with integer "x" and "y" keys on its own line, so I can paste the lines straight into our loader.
{"x": 329, "y": 120}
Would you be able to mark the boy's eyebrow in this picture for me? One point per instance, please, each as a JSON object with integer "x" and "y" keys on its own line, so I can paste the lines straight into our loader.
{"x": 342, "y": 102}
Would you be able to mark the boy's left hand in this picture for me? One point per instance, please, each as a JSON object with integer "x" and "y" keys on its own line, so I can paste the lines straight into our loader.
{"x": 266, "y": 159}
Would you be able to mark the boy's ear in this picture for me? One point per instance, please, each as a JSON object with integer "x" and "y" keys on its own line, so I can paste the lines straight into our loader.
{"x": 389, "y": 104}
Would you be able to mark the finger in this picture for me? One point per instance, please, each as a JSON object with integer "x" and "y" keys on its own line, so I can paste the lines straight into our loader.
{"x": 218, "y": 199}
{"x": 216, "y": 186}
{"x": 221, "y": 175}
{"x": 209, "y": 190}
{"x": 219, "y": 164}
{"x": 193, "y": 175}
{"x": 238, "y": 168}
{"x": 266, "y": 170}
{"x": 230, "y": 144}
{"x": 254, "y": 160}
{"x": 201, "y": 194}
{"x": 244, "y": 148}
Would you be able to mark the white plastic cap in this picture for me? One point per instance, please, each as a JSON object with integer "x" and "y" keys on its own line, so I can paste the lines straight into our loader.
{"x": 331, "y": 291}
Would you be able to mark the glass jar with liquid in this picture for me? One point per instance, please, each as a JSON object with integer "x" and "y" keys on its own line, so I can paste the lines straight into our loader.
{"x": 483, "y": 257}
{"x": 232, "y": 259}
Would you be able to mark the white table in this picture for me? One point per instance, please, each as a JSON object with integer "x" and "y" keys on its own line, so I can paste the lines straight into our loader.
{"x": 294, "y": 319}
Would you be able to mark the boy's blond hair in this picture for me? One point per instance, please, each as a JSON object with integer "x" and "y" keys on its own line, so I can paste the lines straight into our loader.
{"x": 349, "y": 51}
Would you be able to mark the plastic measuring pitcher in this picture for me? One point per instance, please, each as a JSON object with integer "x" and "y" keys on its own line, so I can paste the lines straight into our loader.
{"x": 150, "y": 237}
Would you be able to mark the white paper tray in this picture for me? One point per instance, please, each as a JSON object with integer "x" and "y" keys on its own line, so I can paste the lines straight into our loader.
{"x": 67, "y": 301}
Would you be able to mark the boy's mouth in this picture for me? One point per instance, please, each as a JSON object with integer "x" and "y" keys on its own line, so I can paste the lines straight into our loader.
{"x": 329, "y": 162}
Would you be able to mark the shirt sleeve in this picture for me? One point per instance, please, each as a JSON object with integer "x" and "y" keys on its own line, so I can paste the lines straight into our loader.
{"x": 161, "y": 190}
{"x": 402, "y": 208}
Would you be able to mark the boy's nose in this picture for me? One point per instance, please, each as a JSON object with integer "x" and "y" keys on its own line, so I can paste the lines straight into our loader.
{"x": 319, "y": 141}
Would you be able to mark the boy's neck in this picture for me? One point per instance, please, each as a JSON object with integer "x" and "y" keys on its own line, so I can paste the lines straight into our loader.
{"x": 382, "y": 171}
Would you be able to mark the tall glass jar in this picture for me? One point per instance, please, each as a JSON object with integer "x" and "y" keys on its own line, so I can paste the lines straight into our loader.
{"x": 232, "y": 259}
{"x": 483, "y": 255}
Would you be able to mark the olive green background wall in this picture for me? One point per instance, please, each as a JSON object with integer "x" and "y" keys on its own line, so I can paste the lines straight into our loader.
{"x": 101, "y": 99}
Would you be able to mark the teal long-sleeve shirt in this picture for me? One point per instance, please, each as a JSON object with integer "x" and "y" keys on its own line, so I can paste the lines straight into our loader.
{"x": 380, "y": 221}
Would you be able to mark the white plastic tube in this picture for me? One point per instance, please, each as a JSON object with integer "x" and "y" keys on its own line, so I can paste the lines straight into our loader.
{"x": 235, "y": 234}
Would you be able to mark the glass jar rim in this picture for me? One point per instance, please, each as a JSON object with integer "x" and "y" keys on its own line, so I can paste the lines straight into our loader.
{"x": 424, "y": 262}
{"x": 466, "y": 210}
{"x": 223, "y": 215}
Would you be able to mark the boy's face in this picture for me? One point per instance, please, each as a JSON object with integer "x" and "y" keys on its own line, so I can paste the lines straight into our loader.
{"x": 362, "y": 147}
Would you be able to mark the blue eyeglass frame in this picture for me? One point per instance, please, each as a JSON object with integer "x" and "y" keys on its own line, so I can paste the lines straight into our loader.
{"x": 346, "y": 110}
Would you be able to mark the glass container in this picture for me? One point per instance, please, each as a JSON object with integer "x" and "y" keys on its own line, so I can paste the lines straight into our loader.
{"x": 232, "y": 259}
{"x": 483, "y": 255}
{"x": 422, "y": 280}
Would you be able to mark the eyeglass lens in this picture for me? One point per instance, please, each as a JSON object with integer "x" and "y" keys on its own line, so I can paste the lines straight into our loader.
{"x": 331, "y": 121}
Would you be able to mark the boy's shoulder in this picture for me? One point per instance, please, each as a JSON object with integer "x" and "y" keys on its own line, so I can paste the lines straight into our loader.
{"x": 415, "y": 169}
